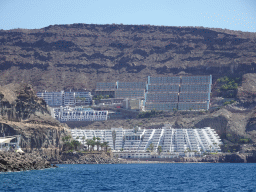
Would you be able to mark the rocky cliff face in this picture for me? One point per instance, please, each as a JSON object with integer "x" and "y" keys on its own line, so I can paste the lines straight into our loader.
{"x": 247, "y": 91}
{"x": 19, "y": 102}
{"x": 22, "y": 113}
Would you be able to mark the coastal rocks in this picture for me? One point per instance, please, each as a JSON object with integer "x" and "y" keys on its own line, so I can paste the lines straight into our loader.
{"x": 87, "y": 158}
{"x": 210, "y": 159}
{"x": 233, "y": 158}
{"x": 224, "y": 158}
{"x": 10, "y": 161}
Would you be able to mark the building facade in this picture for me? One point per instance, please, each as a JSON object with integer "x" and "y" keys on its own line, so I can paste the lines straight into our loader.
{"x": 62, "y": 98}
{"x": 165, "y": 93}
{"x": 171, "y": 140}
{"x": 78, "y": 114}
{"x": 178, "y": 93}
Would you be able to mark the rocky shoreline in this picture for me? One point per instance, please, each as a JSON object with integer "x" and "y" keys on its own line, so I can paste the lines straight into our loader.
{"x": 87, "y": 158}
{"x": 223, "y": 158}
{"x": 12, "y": 162}
{"x": 108, "y": 158}
{"x": 218, "y": 158}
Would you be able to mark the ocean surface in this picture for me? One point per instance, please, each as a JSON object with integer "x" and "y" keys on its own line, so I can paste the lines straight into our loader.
{"x": 135, "y": 177}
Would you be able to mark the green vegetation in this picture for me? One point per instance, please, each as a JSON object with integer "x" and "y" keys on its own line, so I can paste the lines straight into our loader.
{"x": 202, "y": 112}
{"x": 136, "y": 129}
{"x": 151, "y": 147}
{"x": 159, "y": 150}
{"x": 70, "y": 145}
{"x": 149, "y": 114}
{"x": 229, "y": 102}
{"x": 175, "y": 109}
{"x": 83, "y": 138}
{"x": 114, "y": 137}
{"x": 229, "y": 83}
{"x": 99, "y": 97}
{"x": 81, "y": 98}
{"x": 245, "y": 140}
{"x": 96, "y": 141}
{"x": 66, "y": 138}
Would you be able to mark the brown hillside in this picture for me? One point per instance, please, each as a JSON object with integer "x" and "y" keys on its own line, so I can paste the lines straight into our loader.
{"x": 77, "y": 56}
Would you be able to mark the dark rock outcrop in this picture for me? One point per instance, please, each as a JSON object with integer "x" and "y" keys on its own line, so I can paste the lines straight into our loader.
{"x": 11, "y": 161}
{"x": 23, "y": 113}
{"x": 87, "y": 158}
{"x": 219, "y": 158}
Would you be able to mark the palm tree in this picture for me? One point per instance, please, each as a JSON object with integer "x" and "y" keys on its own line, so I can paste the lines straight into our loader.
{"x": 98, "y": 139}
{"x": 88, "y": 142}
{"x": 102, "y": 146}
{"x": 75, "y": 143}
{"x": 93, "y": 144}
{"x": 159, "y": 149}
{"x": 114, "y": 138}
{"x": 211, "y": 148}
{"x": 151, "y": 147}
{"x": 97, "y": 143}
{"x": 83, "y": 138}
{"x": 68, "y": 137}
{"x": 106, "y": 145}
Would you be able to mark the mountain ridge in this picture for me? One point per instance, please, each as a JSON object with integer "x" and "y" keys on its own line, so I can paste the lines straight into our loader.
{"x": 77, "y": 56}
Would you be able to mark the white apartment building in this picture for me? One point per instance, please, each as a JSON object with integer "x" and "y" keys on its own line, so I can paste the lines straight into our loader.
{"x": 78, "y": 114}
{"x": 172, "y": 141}
{"x": 66, "y": 98}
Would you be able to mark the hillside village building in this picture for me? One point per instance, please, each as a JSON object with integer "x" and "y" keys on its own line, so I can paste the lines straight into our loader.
{"x": 163, "y": 93}
{"x": 174, "y": 142}
{"x": 78, "y": 114}
{"x": 66, "y": 98}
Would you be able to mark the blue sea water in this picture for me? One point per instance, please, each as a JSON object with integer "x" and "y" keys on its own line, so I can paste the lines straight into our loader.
{"x": 135, "y": 177}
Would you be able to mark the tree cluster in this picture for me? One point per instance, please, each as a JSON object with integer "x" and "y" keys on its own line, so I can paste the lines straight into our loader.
{"x": 99, "y": 97}
{"x": 70, "y": 144}
{"x": 96, "y": 141}
{"x": 229, "y": 83}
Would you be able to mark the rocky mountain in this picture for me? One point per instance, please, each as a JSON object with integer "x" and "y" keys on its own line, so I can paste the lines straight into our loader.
{"x": 23, "y": 113}
{"x": 79, "y": 55}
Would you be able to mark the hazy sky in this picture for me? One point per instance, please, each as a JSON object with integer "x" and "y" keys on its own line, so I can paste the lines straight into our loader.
{"x": 31, "y": 14}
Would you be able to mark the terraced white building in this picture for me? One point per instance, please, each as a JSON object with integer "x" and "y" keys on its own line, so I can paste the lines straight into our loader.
{"x": 78, "y": 114}
{"x": 140, "y": 141}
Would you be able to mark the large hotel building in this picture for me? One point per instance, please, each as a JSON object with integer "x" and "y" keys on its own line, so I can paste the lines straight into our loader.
{"x": 163, "y": 93}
